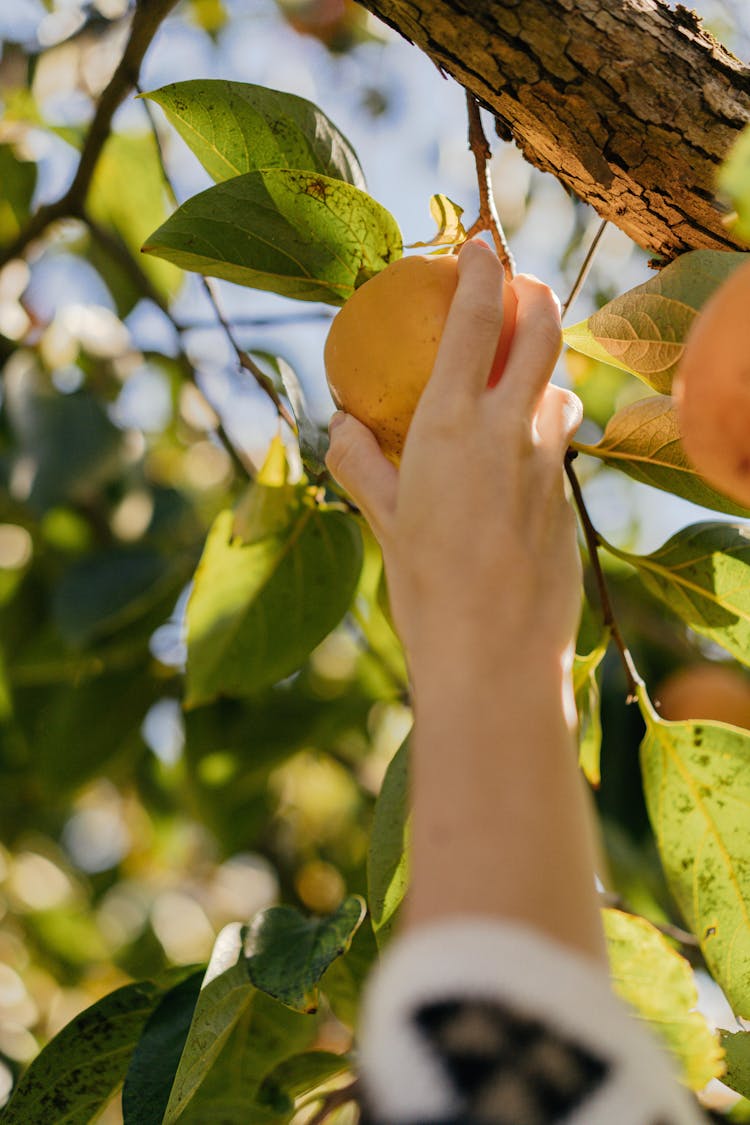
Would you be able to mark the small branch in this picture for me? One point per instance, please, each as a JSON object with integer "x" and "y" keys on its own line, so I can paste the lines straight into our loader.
{"x": 488, "y": 216}
{"x": 593, "y": 541}
{"x": 586, "y": 265}
{"x": 334, "y": 1100}
{"x": 147, "y": 18}
{"x": 243, "y": 358}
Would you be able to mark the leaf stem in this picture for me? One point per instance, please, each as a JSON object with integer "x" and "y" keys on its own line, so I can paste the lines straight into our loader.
{"x": 244, "y": 360}
{"x": 586, "y": 265}
{"x": 488, "y": 216}
{"x": 593, "y": 542}
{"x": 334, "y": 1100}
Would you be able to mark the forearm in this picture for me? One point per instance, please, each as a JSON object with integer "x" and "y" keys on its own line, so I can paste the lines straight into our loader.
{"x": 496, "y": 753}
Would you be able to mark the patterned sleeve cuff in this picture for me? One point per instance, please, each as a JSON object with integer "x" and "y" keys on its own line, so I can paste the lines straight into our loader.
{"x": 473, "y": 1020}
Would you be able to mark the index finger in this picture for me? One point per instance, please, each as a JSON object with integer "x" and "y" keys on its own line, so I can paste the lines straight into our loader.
{"x": 472, "y": 327}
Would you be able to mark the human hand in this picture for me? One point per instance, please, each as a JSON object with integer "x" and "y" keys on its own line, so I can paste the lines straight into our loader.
{"x": 478, "y": 538}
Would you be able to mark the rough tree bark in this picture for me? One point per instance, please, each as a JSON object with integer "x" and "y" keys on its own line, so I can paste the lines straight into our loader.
{"x": 631, "y": 105}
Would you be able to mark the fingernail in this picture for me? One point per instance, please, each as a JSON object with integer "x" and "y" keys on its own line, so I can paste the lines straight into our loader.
{"x": 339, "y": 417}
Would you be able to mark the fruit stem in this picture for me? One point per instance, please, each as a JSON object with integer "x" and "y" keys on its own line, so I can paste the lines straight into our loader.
{"x": 488, "y": 216}
{"x": 593, "y": 541}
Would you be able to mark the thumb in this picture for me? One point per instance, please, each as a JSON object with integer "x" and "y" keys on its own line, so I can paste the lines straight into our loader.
{"x": 357, "y": 462}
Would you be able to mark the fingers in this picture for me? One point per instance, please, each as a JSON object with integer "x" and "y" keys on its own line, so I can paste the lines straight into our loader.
{"x": 472, "y": 329}
{"x": 536, "y": 345}
{"x": 358, "y": 464}
{"x": 559, "y": 416}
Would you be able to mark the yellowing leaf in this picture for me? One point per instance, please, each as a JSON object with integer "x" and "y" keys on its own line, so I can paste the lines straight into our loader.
{"x": 703, "y": 574}
{"x": 447, "y": 216}
{"x": 586, "y": 690}
{"x": 643, "y": 440}
{"x": 652, "y": 977}
{"x": 644, "y": 330}
{"x": 696, "y": 778}
{"x": 734, "y": 180}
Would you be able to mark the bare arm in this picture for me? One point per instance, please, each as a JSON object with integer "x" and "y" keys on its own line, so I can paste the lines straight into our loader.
{"x": 484, "y": 575}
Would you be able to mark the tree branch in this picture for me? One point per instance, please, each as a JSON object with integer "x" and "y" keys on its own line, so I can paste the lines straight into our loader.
{"x": 630, "y": 105}
{"x": 147, "y": 18}
{"x": 488, "y": 216}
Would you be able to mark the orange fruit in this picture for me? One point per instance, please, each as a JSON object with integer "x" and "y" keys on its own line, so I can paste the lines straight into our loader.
{"x": 382, "y": 344}
{"x": 714, "y": 692}
{"x": 712, "y": 389}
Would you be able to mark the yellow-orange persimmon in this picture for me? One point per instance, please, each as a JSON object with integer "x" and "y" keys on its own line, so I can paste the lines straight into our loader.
{"x": 382, "y": 345}
{"x": 714, "y": 692}
{"x": 712, "y": 389}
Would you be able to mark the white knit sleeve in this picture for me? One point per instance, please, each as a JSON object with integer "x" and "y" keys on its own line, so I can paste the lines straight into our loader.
{"x": 480, "y": 1021}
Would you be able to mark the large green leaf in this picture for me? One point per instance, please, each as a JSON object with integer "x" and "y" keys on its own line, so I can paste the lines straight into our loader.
{"x": 737, "y": 1048}
{"x": 703, "y": 574}
{"x": 156, "y": 1057}
{"x": 387, "y": 856}
{"x": 586, "y": 689}
{"x": 650, "y": 974}
{"x": 259, "y": 608}
{"x": 236, "y": 127}
{"x": 345, "y": 977}
{"x": 297, "y": 1076}
{"x": 127, "y": 196}
{"x": 297, "y": 233}
{"x": 696, "y": 778}
{"x": 643, "y": 331}
{"x": 226, "y": 993}
{"x": 643, "y": 440}
{"x": 734, "y": 181}
{"x": 289, "y": 953}
{"x": 265, "y": 1034}
{"x": 81, "y": 1069}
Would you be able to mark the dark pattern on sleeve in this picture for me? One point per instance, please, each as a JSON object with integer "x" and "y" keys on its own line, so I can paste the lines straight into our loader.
{"x": 506, "y": 1068}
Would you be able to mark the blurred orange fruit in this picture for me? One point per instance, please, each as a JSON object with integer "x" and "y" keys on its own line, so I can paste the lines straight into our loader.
{"x": 714, "y": 692}
{"x": 712, "y": 389}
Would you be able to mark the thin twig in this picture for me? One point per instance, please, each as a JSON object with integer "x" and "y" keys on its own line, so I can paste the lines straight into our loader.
{"x": 147, "y": 18}
{"x": 677, "y": 933}
{"x": 585, "y": 267}
{"x": 488, "y": 216}
{"x": 120, "y": 254}
{"x": 334, "y": 1100}
{"x": 243, "y": 358}
{"x": 593, "y": 542}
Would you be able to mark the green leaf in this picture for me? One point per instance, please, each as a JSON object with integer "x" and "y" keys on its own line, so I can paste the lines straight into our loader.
{"x": 447, "y": 216}
{"x": 102, "y": 592}
{"x": 265, "y": 1034}
{"x": 297, "y": 1076}
{"x": 643, "y": 331}
{"x": 225, "y": 994}
{"x": 703, "y": 574}
{"x": 289, "y": 953}
{"x": 68, "y": 442}
{"x": 236, "y": 127}
{"x": 648, "y": 973}
{"x": 737, "y": 1048}
{"x": 297, "y": 233}
{"x": 127, "y": 197}
{"x": 313, "y": 442}
{"x": 643, "y": 440}
{"x": 79, "y": 1071}
{"x": 157, "y": 1055}
{"x": 344, "y": 979}
{"x": 734, "y": 181}
{"x": 17, "y": 180}
{"x": 586, "y": 690}
{"x": 258, "y": 609}
{"x": 387, "y": 856}
{"x": 696, "y": 779}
